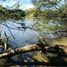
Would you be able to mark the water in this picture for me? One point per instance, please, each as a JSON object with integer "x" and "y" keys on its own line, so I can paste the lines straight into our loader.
{"x": 23, "y": 36}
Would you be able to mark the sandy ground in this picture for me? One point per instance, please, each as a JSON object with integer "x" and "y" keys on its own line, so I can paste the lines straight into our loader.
{"x": 61, "y": 41}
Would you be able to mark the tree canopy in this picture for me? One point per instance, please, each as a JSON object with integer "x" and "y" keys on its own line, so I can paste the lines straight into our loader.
{"x": 51, "y": 10}
{"x": 11, "y": 14}
{"x": 42, "y": 4}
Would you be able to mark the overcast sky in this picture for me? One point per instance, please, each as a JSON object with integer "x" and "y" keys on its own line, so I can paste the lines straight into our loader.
{"x": 25, "y": 3}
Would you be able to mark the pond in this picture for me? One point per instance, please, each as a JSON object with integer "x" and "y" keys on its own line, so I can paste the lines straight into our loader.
{"x": 21, "y": 36}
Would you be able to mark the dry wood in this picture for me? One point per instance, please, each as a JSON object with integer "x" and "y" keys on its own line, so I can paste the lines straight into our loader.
{"x": 28, "y": 48}
{"x": 24, "y": 49}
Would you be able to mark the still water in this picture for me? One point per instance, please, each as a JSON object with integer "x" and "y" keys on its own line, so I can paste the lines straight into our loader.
{"x": 26, "y": 36}
{"x": 22, "y": 36}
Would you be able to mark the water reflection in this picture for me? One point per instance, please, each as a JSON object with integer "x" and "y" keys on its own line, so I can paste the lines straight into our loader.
{"x": 26, "y": 36}
{"x": 23, "y": 36}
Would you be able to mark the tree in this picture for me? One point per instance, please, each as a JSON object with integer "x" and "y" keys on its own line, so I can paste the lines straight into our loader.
{"x": 42, "y": 4}
{"x": 51, "y": 10}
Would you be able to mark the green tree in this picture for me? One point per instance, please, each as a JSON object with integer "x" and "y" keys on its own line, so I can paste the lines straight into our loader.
{"x": 43, "y": 4}
{"x": 51, "y": 10}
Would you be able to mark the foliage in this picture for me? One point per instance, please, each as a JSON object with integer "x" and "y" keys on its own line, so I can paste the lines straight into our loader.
{"x": 11, "y": 14}
{"x": 41, "y": 4}
{"x": 30, "y": 12}
{"x": 48, "y": 10}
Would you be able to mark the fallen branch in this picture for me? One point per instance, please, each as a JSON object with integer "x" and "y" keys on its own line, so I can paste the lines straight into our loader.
{"x": 16, "y": 51}
{"x": 28, "y": 48}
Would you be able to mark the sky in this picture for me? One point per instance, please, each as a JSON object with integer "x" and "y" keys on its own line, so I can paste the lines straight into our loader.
{"x": 26, "y": 4}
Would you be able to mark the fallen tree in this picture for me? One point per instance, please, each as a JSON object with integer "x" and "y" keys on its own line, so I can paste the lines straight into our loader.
{"x": 16, "y": 51}
{"x": 34, "y": 47}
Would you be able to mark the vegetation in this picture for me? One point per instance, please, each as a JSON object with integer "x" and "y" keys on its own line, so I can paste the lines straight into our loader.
{"x": 50, "y": 10}
{"x": 11, "y": 14}
{"x": 30, "y": 13}
{"x": 51, "y": 21}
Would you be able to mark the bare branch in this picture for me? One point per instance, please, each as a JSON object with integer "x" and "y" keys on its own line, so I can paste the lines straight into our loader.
{"x": 16, "y": 51}
{"x": 33, "y": 47}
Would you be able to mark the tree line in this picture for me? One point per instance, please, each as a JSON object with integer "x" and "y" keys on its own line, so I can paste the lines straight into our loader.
{"x": 11, "y": 14}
